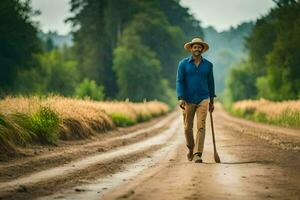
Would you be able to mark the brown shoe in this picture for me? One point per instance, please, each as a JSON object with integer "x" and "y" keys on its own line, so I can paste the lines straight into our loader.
{"x": 197, "y": 157}
{"x": 190, "y": 155}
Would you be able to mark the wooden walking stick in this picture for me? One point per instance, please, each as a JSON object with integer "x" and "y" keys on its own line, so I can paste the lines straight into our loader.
{"x": 216, "y": 155}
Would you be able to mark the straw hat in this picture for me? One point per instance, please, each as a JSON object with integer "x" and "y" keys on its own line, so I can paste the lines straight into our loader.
{"x": 188, "y": 45}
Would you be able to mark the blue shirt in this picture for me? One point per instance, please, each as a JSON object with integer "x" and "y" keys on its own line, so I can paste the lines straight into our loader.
{"x": 193, "y": 84}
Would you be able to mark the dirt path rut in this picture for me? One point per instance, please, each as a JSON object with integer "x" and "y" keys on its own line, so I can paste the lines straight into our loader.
{"x": 257, "y": 162}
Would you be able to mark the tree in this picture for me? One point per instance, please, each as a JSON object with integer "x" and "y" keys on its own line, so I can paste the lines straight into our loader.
{"x": 156, "y": 33}
{"x": 48, "y": 44}
{"x": 18, "y": 39}
{"x": 274, "y": 63}
{"x": 241, "y": 82}
{"x": 181, "y": 17}
{"x": 89, "y": 89}
{"x": 55, "y": 72}
{"x": 99, "y": 24}
{"x": 137, "y": 68}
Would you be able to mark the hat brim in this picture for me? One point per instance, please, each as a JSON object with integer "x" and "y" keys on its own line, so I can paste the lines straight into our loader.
{"x": 188, "y": 46}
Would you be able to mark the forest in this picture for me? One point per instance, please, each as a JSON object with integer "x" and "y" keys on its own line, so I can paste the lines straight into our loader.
{"x": 117, "y": 44}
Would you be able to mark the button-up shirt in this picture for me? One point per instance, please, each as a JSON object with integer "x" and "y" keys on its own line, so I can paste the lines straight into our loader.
{"x": 193, "y": 84}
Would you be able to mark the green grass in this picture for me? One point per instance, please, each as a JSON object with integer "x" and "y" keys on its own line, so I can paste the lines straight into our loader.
{"x": 121, "y": 120}
{"x": 287, "y": 118}
{"x": 21, "y": 129}
{"x": 45, "y": 124}
{"x": 5, "y": 135}
{"x": 144, "y": 117}
{"x": 13, "y": 132}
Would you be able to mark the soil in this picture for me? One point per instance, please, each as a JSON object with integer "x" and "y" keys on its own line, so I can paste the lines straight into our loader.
{"x": 148, "y": 161}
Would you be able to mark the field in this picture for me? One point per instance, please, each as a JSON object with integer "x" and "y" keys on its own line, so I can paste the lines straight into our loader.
{"x": 45, "y": 120}
{"x": 285, "y": 113}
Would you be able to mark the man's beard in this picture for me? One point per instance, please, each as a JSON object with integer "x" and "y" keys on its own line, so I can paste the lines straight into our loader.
{"x": 197, "y": 53}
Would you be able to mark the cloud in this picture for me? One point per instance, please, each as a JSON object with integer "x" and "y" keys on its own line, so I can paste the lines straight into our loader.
{"x": 54, "y": 12}
{"x": 225, "y": 13}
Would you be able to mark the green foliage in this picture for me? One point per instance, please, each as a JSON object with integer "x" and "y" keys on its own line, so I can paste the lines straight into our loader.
{"x": 45, "y": 124}
{"x": 274, "y": 45}
{"x": 226, "y": 49}
{"x": 137, "y": 69}
{"x": 143, "y": 117}
{"x": 283, "y": 61}
{"x": 89, "y": 88}
{"x": 167, "y": 94}
{"x": 22, "y": 129}
{"x": 142, "y": 58}
{"x": 11, "y": 132}
{"x": 273, "y": 68}
{"x": 122, "y": 120}
{"x": 241, "y": 82}
{"x": 161, "y": 25}
{"x": 48, "y": 45}
{"x": 54, "y": 73}
{"x": 41, "y": 126}
{"x": 18, "y": 39}
{"x": 100, "y": 24}
{"x": 260, "y": 117}
{"x": 287, "y": 118}
{"x": 181, "y": 17}
{"x": 223, "y": 61}
{"x": 153, "y": 28}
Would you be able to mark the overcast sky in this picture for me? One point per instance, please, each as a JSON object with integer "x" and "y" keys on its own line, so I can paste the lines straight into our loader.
{"x": 218, "y": 13}
{"x": 225, "y": 13}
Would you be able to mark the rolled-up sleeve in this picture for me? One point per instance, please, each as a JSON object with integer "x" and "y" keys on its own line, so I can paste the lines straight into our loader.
{"x": 211, "y": 83}
{"x": 180, "y": 80}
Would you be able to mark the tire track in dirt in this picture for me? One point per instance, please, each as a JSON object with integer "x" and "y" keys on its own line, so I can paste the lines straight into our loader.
{"x": 251, "y": 168}
{"x": 75, "y": 166}
{"x": 97, "y": 188}
{"x": 16, "y": 169}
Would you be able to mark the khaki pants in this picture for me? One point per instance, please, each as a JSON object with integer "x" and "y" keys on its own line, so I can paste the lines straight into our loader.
{"x": 188, "y": 119}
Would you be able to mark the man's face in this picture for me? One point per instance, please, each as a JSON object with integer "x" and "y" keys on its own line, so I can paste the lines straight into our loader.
{"x": 197, "y": 49}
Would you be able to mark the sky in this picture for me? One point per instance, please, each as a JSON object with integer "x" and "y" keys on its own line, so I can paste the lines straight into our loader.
{"x": 221, "y": 14}
{"x": 54, "y": 12}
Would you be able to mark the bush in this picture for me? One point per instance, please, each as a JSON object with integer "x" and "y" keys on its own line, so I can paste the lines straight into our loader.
{"x": 287, "y": 118}
{"x": 144, "y": 117}
{"x": 260, "y": 117}
{"x": 285, "y": 113}
{"x": 45, "y": 124}
{"x": 121, "y": 120}
{"x": 54, "y": 73}
{"x": 89, "y": 89}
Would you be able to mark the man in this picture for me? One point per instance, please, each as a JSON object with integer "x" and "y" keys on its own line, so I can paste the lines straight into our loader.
{"x": 195, "y": 91}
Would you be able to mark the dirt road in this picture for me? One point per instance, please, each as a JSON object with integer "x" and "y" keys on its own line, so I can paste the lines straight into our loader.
{"x": 148, "y": 161}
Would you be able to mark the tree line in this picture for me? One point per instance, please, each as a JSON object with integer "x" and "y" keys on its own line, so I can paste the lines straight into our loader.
{"x": 272, "y": 68}
{"x": 122, "y": 49}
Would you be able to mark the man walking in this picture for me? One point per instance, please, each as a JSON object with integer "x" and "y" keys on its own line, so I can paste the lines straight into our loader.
{"x": 195, "y": 91}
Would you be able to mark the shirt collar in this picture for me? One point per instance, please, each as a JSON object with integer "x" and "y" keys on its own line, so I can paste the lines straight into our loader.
{"x": 191, "y": 58}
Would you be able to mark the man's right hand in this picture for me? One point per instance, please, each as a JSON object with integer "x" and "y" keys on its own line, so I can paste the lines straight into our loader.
{"x": 182, "y": 104}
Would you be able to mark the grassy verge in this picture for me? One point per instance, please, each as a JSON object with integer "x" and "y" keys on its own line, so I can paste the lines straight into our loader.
{"x": 286, "y": 113}
{"x": 35, "y": 120}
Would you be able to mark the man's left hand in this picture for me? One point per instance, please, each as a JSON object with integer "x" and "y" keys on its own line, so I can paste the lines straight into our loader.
{"x": 211, "y": 107}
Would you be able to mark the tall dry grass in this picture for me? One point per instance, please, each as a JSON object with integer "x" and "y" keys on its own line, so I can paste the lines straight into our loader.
{"x": 286, "y": 113}
{"x": 26, "y": 120}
